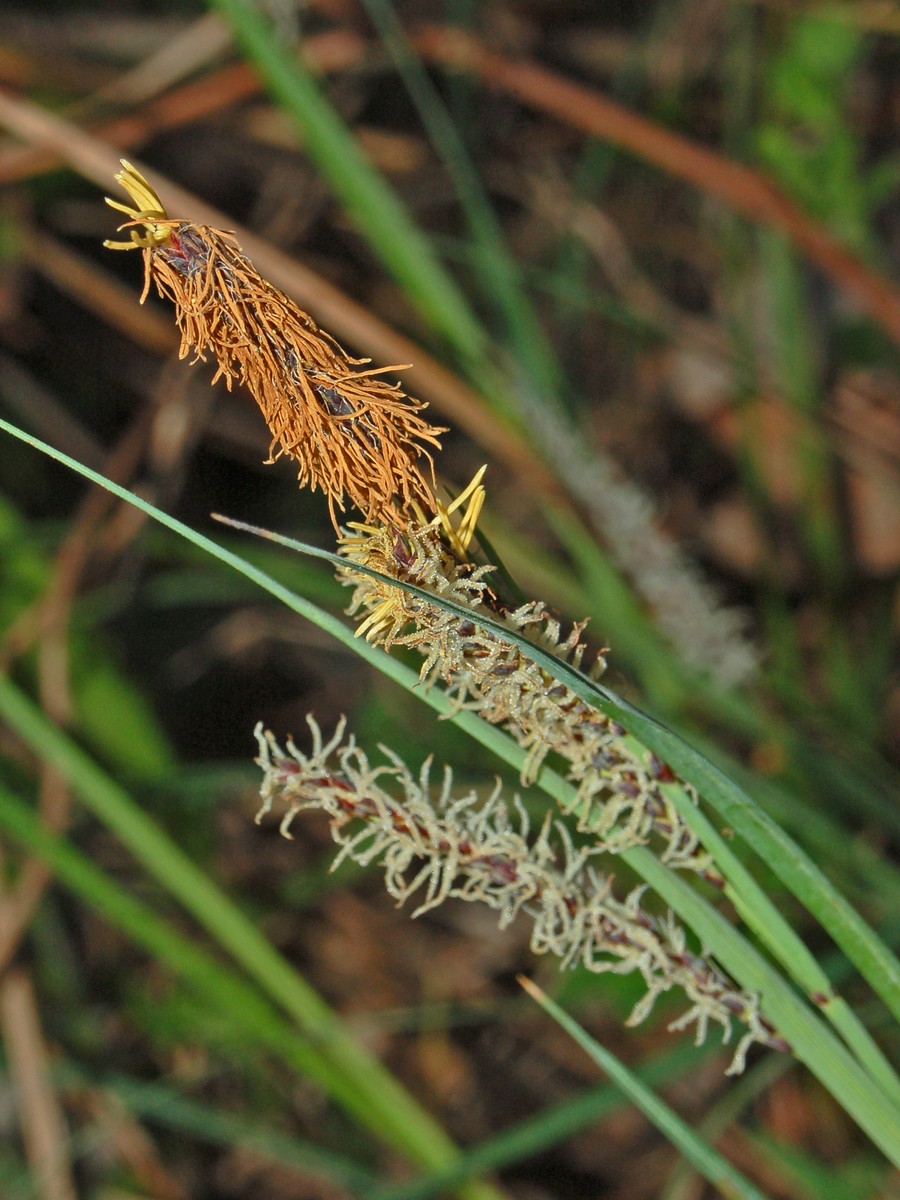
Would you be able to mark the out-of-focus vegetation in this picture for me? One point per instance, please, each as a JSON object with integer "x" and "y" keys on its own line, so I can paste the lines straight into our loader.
{"x": 644, "y": 265}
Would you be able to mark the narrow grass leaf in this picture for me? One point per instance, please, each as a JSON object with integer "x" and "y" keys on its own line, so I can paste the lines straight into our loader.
{"x": 538, "y": 1133}
{"x": 711, "y": 1165}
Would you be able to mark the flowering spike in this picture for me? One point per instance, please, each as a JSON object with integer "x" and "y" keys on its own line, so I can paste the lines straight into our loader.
{"x": 353, "y": 434}
{"x": 437, "y": 846}
{"x": 619, "y": 799}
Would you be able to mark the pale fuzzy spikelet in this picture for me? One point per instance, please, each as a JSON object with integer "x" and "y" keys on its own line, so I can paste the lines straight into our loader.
{"x": 619, "y": 794}
{"x": 352, "y": 434}
{"x": 437, "y": 846}
{"x": 707, "y": 635}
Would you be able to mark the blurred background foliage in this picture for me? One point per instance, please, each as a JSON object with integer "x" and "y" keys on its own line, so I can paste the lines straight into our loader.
{"x": 642, "y": 259}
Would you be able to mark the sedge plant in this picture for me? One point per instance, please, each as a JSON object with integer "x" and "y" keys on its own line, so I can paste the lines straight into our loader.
{"x": 624, "y": 788}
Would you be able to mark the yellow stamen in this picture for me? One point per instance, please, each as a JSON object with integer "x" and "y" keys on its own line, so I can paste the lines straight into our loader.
{"x": 473, "y": 497}
{"x": 147, "y": 211}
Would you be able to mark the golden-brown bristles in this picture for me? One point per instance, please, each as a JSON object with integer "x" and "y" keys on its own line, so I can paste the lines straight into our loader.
{"x": 353, "y": 434}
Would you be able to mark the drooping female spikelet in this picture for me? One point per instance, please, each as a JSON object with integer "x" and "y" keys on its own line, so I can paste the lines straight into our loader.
{"x": 620, "y": 795}
{"x": 437, "y": 845}
{"x": 353, "y": 434}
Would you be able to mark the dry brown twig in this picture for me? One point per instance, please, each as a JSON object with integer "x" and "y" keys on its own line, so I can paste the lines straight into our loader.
{"x": 219, "y": 90}
{"x": 743, "y": 189}
{"x": 44, "y": 1133}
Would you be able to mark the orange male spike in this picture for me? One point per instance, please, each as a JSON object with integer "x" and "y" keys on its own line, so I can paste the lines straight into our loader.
{"x": 352, "y": 434}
